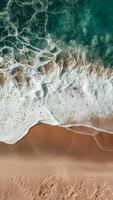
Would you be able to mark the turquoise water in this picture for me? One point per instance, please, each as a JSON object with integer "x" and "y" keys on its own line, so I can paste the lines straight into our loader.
{"x": 44, "y": 76}
{"x": 87, "y": 24}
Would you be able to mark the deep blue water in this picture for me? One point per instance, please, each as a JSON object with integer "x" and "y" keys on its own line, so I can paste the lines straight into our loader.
{"x": 81, "y": 23}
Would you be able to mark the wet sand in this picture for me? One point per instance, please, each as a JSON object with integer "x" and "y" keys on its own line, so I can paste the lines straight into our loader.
{"x": 54, "y": 163}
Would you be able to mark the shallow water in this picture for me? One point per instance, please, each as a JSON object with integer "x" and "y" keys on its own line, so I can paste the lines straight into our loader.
{"x": 77, "y": 23}
{"x": 55, "y": 60}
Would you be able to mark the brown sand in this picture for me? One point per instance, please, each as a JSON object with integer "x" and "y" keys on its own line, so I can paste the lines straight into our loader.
{"x": 52, "y": 163}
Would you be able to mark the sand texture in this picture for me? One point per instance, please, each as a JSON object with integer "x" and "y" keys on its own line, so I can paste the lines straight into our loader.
{"x": 52, "y": 163}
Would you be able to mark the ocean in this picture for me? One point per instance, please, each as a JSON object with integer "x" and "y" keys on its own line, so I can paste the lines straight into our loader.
{"x": 56, "y": 59}
{"x": 84, "y": 24}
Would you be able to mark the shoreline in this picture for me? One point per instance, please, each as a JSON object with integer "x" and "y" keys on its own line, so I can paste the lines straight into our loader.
{"x": 75, "y": 94}
{"x": 54, "y": 163}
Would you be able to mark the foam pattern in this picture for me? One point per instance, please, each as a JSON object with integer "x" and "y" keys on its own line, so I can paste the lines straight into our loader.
{"x": 48, "y": 72}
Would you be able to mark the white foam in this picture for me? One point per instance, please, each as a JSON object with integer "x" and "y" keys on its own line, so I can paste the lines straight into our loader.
{"x": 63, "y": 98}
{"x": 72, "y": 98}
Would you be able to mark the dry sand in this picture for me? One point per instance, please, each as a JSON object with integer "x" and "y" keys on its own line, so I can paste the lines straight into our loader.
{"x": 52, "y": 163}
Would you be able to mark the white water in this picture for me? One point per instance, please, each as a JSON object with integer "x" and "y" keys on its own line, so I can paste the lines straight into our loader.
{"x": 70, "y": 98}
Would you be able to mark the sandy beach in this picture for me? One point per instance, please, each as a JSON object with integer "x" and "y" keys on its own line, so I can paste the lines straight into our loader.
{"x": 54, "y": 163}
{"x": 56, "y": 68}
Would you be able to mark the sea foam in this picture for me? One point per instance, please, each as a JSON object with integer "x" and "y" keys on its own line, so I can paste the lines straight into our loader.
{"x": 56, "y": 87}
{"x": 55, "y": 60}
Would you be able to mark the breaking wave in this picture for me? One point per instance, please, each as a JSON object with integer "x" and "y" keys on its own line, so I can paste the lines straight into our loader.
{"x": 47, "y": 73}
